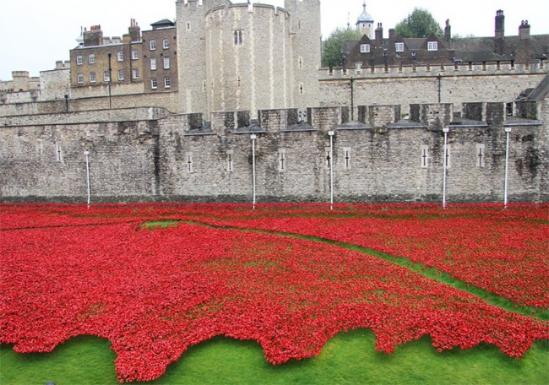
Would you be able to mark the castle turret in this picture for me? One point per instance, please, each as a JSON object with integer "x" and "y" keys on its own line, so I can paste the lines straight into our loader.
{"x": 365, "y": 23}
{"x": 306, "y": 41}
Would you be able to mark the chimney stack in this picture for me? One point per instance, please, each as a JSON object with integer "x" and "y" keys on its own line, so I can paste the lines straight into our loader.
{"x": 392, "y": 34}
{"x": 94, "y": 36}
{"x": 134, "y": 31}
{"x": 500, "y": 32}
{"x": 379, "y": 34}
{"x": 524, "y": 30}
{"x": 448, "y": 31}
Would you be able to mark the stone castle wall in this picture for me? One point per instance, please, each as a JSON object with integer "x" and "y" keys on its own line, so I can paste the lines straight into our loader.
{"x": 154, "y": 156}
{"x": 424, "y": 85}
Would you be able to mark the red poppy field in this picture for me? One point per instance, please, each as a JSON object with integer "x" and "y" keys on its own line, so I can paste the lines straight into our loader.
{"x": 67, "y": 271}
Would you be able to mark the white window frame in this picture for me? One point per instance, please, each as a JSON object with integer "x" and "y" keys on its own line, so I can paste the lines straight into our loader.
{"x": 106, "y": 76}
{"x": 120, "y": 56}
{"x": 79, "y": 60}
{"x": 153, "y": 64}
{"x": 121, "y": 75}
{"x": 135, "y": 54}
{"x": 189, "y": 164}
{"x": 152, "y": 45}
{"x": 166, "y": 43}
{"x": 282, "y": 162}
{"x": 154, "y": 84}
{"x": 481, "y": 160}
{"x": 93, "y": 77}
{"x": 365, "y": 48}
{"x": 91, "y": 58}
{"x": 347, "y": 158}
{"x": 188, "y": 26}
{"x": 135, "y": 73}
{"x": 80, "y": 78}
{"x": 424, "y": 156}
{"x": 167, "y": 63}
{"x": 432, "y": 46}
{"x": 399, "y": 47}
{"x": 167, "y": 83}
{"x": 58, "y": 153}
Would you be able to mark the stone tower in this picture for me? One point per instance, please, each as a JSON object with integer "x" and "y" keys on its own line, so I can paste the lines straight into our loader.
{"x": 191, "y": 53}
{"x": 306, "y": 41}
{"x": 365, "y": 23}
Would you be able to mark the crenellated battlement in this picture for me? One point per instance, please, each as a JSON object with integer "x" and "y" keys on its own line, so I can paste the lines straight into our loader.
{"x": 425, "y": 70}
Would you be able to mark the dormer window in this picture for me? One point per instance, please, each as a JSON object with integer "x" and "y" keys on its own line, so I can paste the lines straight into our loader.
{"x": 399, "y": 47}
{"x": 365, "y": 48}
{"x": 432, "y": 46}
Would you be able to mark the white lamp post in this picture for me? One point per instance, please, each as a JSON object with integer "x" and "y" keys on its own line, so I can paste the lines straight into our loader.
{"x": 446, "y": 130}
{"x": 87, "y": 155}
{"x": 506, "y": 184}
{"x": 331, "y": 134}
{"x": 253, "y": 137}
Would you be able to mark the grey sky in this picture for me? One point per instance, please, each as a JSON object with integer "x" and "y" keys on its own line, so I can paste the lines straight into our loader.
{"x": 36, "y": 33}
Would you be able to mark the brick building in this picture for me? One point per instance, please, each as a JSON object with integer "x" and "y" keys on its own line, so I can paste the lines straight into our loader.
{"x": 434, "y": 50}
{"x": 160, "y": 57}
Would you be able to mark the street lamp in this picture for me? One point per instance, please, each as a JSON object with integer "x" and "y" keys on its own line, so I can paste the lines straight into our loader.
{"x": 253, "y": 137}
{"x": 446, "y": 130}
{"x": 87, "y": 155}
{"x": 506, "y": 184}
{"x": 331, "y": 134}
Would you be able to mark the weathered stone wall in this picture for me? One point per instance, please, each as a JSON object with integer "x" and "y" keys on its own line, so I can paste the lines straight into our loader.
{"x": 180, "y": 157}
{"x": 162, "y": 100}
{"x": 423, "y": 86}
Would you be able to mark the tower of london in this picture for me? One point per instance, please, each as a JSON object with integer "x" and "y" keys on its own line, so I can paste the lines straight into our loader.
{"x": 248, "y": 56}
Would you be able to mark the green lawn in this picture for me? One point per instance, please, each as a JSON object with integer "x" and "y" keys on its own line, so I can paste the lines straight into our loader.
{"x": 349, "y": 358}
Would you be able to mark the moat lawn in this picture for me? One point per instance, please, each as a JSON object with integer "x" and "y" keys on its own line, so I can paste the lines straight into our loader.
{"x": 349, "y": 358}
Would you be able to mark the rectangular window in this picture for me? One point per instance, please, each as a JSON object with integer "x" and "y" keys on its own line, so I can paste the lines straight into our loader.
{"x": 188, "y": 26}
{"x": 189, "y": 162}
{"x": 154, "y": 84}
{"x": 166, "y": 63}
{"x": 152, "y": 45}
{"x": 481, "y": 155}
{"x": 399, "y": 47}
{"x": 80, "y": 78}
{"x": 238, "y": 37}
{"x": 120, "y": 56}
{"x": 79, "y": 60}
{"x": 282, "y": 161}
{"x": 106, "y": 77}
{"x": 135, "y": 73}
{"x": 58, "y": 153}
{"x": 121, "y": 75}
{"x": 166, "y": 43}
{"x": 91, "y": 59}
{"x": 347, "y": 158}
{"x": 424, "y": 157}
{"x": 167, "y": 83}
{"x": 327, "y": 158}
{"x": 135, "y": 54}
{"x": 365, "y": 48}
{"x": 153, "y": 64}
{"x": 230, "y": 161}
{"x": 432, "y": 46}
{"x": 93, "y": 77}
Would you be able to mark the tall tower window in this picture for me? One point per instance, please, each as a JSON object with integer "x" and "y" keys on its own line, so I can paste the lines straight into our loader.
{"x": 238, "y": 37}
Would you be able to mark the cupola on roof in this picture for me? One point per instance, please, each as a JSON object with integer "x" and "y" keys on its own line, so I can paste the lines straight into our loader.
{"x": 365, "y": 17}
